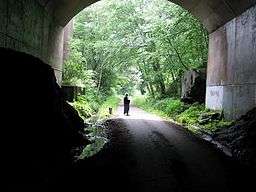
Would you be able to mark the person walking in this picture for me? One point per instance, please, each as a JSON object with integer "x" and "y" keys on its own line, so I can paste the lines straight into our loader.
{"x": 126, "y": 104}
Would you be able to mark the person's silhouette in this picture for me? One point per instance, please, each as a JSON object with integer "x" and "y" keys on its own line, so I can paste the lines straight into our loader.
{"x": 126, "y": 104}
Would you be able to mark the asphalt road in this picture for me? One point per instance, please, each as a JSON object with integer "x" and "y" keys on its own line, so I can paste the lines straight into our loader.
{"x": 148, "y": 154}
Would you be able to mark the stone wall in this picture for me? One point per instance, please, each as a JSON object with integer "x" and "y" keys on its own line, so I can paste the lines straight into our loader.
{"x": 231, "y": 74}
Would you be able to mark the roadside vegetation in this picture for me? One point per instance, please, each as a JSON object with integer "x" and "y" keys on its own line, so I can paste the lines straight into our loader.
{"x": 194, "y": 116}
{"x": 124, "y": 46}
{"x": 120, "y": 46}
{"x": 92, "y": 111}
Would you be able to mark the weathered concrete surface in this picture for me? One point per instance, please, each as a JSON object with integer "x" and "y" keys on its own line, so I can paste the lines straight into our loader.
{"x": 55, "y": 48}
{"x": 231, "y": 75}
{"x": 37, "y": 27}
{"x": 212, "y": 13}
{"x": 68, "y": 32}
{"x": 29, "y": 26}
{"x": 22, "y": 26}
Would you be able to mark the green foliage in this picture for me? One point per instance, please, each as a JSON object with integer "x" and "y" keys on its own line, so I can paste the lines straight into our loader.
{"x": 120, "y": 45}
{"x": 189, "y": 115}
{"x": 140, "y": 101}
{"x": 95, "y": 107}
{"x": 93, "y": 110}
{"x": 193, "y": 116}
{"x": 98, "y": 139}
{"x": 171, "y": 107}
{"x": 83, "y": 107}
{"x": 93, "y": 148}
{"x": 111, "y": 102}
{"x": 217, "y": 124}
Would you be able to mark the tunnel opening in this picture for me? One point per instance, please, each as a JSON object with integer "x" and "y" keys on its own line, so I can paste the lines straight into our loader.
{"x": 36, "y": 28}
{"x": 135, "y": 47}
{"x": 144, "y": 44}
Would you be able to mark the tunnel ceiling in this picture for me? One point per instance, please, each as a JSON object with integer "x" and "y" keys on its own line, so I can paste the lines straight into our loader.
{"x": 212, "y": 13}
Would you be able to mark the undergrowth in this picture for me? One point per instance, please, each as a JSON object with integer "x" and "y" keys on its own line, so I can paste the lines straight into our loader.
{"x": 195, "y": 116}
{"x": 93, "y": 112}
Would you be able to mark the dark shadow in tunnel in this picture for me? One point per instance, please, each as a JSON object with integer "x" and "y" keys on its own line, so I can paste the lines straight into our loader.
{"x": 154, "y": 162}
{"x": 40, "y": 129}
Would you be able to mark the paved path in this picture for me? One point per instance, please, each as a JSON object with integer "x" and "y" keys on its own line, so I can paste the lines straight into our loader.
{"x": 147, "y": 154}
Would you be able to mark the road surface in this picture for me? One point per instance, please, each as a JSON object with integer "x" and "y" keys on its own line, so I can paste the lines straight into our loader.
{"x": 148, "y": 154}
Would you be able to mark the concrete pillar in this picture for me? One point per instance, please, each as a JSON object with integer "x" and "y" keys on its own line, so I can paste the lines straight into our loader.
{"x": 68, "y": 32}
{"x": 58, "y": 47}
{"x": 231, "y": 73}
{"x": 55, "y": 48}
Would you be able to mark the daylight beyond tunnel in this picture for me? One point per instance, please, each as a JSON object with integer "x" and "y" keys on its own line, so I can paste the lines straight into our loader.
{"x": 48, "y": 138}
{"x": 231, "y": 64}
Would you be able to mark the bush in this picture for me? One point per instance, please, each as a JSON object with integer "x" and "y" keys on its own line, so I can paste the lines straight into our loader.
{"x": 98, "y": 139}
{"x": 215, "y": 125}
{"x": 139, "y": 101}
{"x": 191, "y": 115}
{"x": 83, "y": 107}
{"x": 144, "y": 103}
{"x": 195, "y": 114}
{"x": 110, "y": 102}
{"x": 171, "y": 107}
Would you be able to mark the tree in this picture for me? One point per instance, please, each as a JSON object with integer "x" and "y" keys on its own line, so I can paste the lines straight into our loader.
{"x": 157, "y": 38}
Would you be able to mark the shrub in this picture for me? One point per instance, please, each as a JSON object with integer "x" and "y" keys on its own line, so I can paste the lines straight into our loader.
{"x": 191, "y": 115}
{"x": 195, "y": 114}
{"x": 172, "y": 107}
{"x": 110, "y": 102}
{"x": 83, "y": 108}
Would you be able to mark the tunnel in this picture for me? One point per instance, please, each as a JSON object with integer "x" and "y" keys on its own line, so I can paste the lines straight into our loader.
{"x": 40, "y": 29}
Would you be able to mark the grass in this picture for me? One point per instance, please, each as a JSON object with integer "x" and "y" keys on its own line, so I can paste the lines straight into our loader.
{"x": 94, "y": 112}
{"x": 83, "y": 107}
{"x": 110, "y": 102}
{"x": 195, "y": 117}
{"x": 98, "y": 138}
{"x": 92, "y": 109}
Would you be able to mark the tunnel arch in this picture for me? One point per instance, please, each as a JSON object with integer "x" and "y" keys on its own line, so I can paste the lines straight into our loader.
{"x": 212, "y": 13}
{"x": 229, "y": 36}
{"x": 38, "y": 28}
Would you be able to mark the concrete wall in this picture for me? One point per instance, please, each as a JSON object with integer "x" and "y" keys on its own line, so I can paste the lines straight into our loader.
{"x": 231, "y": 74}
{"x": 68, "y": 33}
{"x": 36, "y": 27}
{"x": 212, "y": 13}
{"x": 28, "y": 26}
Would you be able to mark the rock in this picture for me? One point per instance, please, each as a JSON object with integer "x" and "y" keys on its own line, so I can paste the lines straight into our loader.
{"x": 77, "y": 127}
{"x": 208, "y": 117}
{"x": 71, "y": 93}
{"x": 241, "y": 138}
{"x": 194, "y": 86}
{"x": 40, "y": 129}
